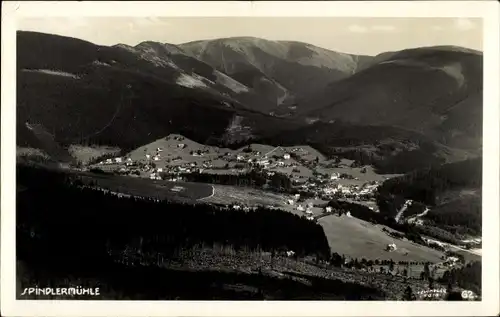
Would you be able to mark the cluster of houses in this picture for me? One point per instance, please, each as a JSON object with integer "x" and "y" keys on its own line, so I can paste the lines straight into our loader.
{"x": 331, "y": 190}
{"x": 117, "y": 160}
{"x": 321, "y": 185}
{"x": 264, "y": 161}
{"x": 307, "y": 208}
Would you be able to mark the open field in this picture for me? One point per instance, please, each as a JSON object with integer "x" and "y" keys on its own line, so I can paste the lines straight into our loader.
{"x": 149, "y": 188}
{"x": 357, "y": 238}
{"x": 84, "y": 154}
{"x": 243, "y": 195}
{"x": 28, "y": 151}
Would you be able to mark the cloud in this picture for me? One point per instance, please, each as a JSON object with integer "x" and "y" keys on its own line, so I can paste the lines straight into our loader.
{"x": 356, "y": 28}
{"x": 149, "y": 21}
{"x": 383, "y": 28}
{"x": 464, "y": 24}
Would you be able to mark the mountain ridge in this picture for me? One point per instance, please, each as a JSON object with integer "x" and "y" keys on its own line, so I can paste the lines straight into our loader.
{"x": 142, "y": 93}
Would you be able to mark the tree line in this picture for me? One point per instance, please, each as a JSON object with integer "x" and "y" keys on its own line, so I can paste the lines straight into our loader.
{"x": 72, "y": 218}
{"x": 427, "y": 184}
{"x": 253, "y": 178}
{"x": 467, "y": 277}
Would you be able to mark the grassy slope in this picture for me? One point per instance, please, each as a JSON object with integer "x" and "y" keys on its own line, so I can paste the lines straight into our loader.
{"x": 358, "y": 238}
{"x": 419, "y": 89}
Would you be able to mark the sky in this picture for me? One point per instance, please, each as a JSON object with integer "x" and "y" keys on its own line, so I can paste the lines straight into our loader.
{"x": 368, "y": 36}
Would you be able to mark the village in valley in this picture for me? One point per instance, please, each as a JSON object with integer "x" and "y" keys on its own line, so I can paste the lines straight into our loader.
{"x": 314, "y": 182}
{"x": 174, "y": 158}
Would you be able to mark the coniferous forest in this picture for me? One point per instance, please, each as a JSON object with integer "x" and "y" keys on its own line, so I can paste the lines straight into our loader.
{"x": 67, "y": 232}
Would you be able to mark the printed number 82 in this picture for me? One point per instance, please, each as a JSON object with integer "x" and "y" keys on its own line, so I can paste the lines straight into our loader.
{"x": 466, "y": 294}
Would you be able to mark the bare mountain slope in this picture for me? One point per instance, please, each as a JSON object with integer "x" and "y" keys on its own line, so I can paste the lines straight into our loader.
{"x": 281, "y": 70}
{"x": 85, "y": 93}
{"x": 435, "y": 91}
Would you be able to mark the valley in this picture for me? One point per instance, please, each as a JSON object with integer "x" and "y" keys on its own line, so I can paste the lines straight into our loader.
{"x": 245, "y": 165}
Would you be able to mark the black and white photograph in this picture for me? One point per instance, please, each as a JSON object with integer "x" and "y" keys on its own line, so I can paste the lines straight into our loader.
{"x": 250, "y": 158}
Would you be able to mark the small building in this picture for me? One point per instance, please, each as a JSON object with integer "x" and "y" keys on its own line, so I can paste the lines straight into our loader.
{"x": 156, "y": 158}
{"x": 159, "y": 169}
{"x": 148, "y": 156}
{"x": 118, "y": 160}
{"x": 263, "y": 162}
{"x": 300, "y": 208}
{"x": 159, "y": 150}
{"x": 290, "y": 201}
{"x": 297, "y": 196}
{"x": 290, "y": 253}
{"x": 328, "y": 209}
{"x": 240, "y": 158}
{"x": 286, "y": 156}
{"x": 391, "y": 247}
{"x": 181, "y": 145}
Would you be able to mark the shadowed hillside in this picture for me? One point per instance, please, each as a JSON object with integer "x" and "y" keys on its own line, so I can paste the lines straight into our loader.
{"x": 434, "y": 91}
{"x": 84, "y": 93}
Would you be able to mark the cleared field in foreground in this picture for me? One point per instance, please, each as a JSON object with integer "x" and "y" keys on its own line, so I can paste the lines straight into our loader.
{"x": 85, "y": 153}
{"x": 148, "y": 188}
{"x": 357, "y": 238}
{"x": 243, "y": 195}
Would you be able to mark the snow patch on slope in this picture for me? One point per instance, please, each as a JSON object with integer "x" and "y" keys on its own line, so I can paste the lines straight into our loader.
{"x": 230, "y": 83}
{"x": 455, "y": 71}
{"x": 191, "y": 81}
{"x": 203, "y": 79}
{"x": 52, "y": 72}
{"x": 149, "y": 54}
{"x": 153, "y": 57}
{"x": 99, "y": 63}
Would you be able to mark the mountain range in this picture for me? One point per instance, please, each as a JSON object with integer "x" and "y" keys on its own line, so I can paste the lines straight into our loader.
{"x": 397, "y": 110}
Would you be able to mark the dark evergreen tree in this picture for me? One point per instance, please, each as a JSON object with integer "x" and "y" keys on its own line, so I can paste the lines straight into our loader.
{"x": 408, "y": 294}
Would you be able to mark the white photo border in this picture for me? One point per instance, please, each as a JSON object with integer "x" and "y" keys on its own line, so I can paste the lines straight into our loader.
{"x": 488, "y": 11}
